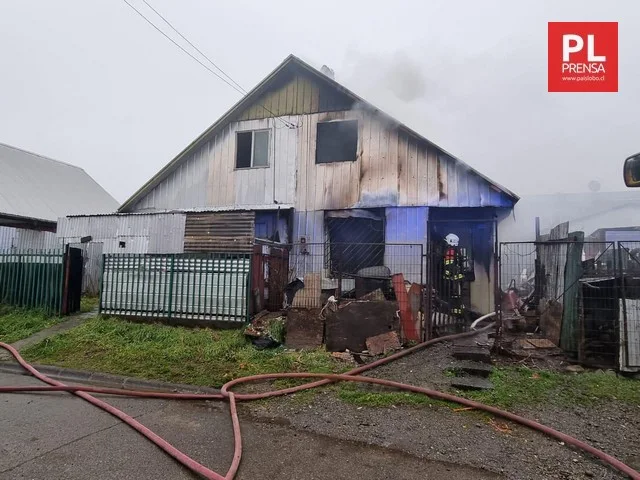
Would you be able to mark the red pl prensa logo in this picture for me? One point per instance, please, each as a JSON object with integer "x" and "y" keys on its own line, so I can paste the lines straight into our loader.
{"x": 583, "y": 57}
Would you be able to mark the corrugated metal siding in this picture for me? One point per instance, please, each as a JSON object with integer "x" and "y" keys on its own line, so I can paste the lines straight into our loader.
{"x": 209, "y": 177}
{"x": 309, "y": 225}
{"x": 407, "y": 225}
{"x": 152, "y": 233}
{"x": 23, "y": 239}
{"x": 296, "y": 95}
{"x": 219, "y": 232}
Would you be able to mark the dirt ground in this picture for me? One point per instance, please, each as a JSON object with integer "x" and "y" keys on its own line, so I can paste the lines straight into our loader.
{"x": 436, "y": 432}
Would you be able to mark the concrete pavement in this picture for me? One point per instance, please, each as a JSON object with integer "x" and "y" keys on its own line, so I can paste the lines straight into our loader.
{"x": 59, "y": 436}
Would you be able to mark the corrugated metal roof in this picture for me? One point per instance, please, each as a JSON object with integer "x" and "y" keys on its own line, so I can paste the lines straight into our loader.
{"x": 33, "y": 186}
{"x": 223, "y": 208}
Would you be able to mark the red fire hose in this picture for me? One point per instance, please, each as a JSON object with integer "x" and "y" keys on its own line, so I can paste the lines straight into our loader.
{"x": 226, "y": 393}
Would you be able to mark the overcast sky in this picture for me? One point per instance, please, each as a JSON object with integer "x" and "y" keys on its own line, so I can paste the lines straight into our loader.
{"x": 90, "y": 83}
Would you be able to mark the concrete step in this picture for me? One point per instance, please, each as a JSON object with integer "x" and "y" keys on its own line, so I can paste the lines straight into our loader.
{"x": 471, "y": 383}
{"x": 469, "y": 367}
{"x": 473, "y": 353}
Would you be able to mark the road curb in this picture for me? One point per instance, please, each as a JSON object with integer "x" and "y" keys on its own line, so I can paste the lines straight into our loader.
{"x": 105, "y": 379}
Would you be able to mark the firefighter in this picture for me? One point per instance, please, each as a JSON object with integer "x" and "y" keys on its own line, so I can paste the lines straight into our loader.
{"x": 454, "y": 274}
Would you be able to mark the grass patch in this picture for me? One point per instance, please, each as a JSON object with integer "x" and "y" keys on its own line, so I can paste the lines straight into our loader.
{"x": 515, "y": 387}
{"x": 19, "y": 323}
{"x": 174, "y": 354}
{"x": 521, "y": 386}
{"x": 357, "y": 395}
{"x": 89, "y": 303}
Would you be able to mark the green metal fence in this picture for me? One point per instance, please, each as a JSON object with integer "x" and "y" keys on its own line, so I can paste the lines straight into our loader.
{"x": 203, "y": 287}
{"x": 33, "y": 279}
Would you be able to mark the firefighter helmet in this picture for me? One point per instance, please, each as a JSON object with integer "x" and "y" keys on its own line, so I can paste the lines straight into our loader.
{"x": 452, "y": 239}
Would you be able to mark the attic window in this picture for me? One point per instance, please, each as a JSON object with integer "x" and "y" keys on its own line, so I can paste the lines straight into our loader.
{"x": 337, "y": 141}
{"x": 252, "y": 149}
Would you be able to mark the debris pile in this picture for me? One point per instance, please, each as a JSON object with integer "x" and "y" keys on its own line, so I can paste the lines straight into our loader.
{"x": 266, "y": 330}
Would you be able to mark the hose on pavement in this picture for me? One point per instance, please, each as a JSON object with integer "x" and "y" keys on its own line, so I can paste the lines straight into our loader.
{"x": 323, "y": 379}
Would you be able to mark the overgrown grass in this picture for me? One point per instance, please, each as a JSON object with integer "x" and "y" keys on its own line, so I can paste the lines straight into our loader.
{"x": 521, "y": 386}
{"x": 19, "y": 323}
{"x": 88, "y": 303}
{"x": 362, "y": 396}
{"x": 175, "y": 354}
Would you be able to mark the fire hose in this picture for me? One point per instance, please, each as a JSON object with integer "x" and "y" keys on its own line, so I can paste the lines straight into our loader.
{"x": 226, "y": 394}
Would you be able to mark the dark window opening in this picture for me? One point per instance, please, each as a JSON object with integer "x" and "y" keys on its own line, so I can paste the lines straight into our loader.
{"x": 354, "y": 243}
{"x": 122, "y": 244}
{"x": 337, "y": 141}
{"x": 252, "y": 149}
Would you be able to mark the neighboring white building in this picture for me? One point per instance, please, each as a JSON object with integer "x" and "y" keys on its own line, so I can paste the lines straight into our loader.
{"x": 35, "y": 191}
{"x": 585, "y": 212}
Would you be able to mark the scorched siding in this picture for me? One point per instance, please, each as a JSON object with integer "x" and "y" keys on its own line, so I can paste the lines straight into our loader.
{"x": 392, "y": 168}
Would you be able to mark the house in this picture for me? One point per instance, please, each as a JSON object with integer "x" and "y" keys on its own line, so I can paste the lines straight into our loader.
{"x": 303, "y": 161}
{"x": 35, "y": 191}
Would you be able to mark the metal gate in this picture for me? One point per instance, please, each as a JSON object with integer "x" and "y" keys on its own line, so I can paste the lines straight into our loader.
{"x": 208, "y": 287}
{"x": 568, "y": 290}
{"x": 44, "y": 279}
{"x": 629, "y": 262}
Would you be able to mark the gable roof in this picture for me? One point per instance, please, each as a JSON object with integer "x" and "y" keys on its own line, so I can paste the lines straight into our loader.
{"x": 290, "y": 62}
{"x": 39, "y": 188}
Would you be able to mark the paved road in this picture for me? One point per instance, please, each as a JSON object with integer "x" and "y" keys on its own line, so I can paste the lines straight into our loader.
{"x": 59, "y": 436}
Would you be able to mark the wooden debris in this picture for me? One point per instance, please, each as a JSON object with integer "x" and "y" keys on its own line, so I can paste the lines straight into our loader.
{"x": 383, "y": 343}
{"x": 344, "y": 356}
{"x": 524, "y": 344}
{"x": 463, "y": 409}
{"x": 309, "y": 296}
{"x": 541, "y": 343}
{"x": 351, "y": 325}
{"x": 500, "y": 426}
{"x": 376, "y": 295}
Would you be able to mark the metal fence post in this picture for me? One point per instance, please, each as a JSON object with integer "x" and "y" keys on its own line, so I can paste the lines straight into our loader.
{"x": 623, "y": 296}
{"x": 101, "y": 287}
{"x": 173, "y": 256}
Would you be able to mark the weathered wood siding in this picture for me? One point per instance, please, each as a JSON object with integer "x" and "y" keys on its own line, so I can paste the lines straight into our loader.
{"x": 208, "y": 178}
{"x": 392, "y": 168}
{"x": 296, "y": 95}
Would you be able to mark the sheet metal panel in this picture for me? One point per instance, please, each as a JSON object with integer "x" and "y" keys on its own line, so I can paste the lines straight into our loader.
{"x": 23, "y": 239}
{"x": 6, "y": 237}
{"x": 150, "y": 233}
{"x": 630, "y": 335}
{"x": 219, "y": 232}
{"x": 622, "y": 236}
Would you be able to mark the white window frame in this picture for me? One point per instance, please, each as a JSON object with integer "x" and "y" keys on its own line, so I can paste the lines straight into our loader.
{"x": 253, "y": 142}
